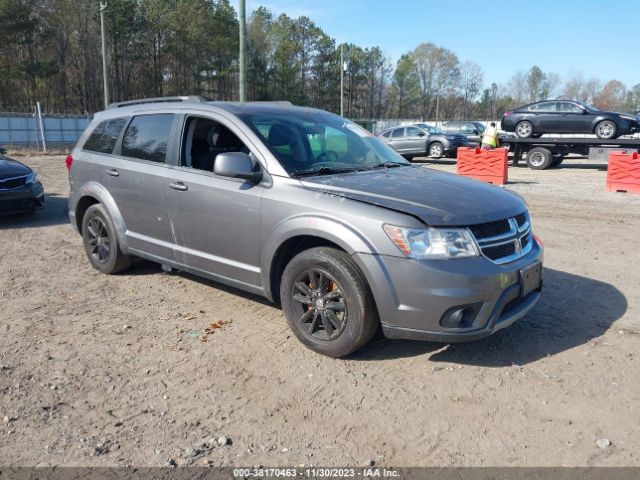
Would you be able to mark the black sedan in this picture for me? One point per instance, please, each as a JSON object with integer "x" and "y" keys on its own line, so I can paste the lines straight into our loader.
{"x": 566, "y": 116}
{"x": 20, "y": 190}
{"x": 422, "y": 140}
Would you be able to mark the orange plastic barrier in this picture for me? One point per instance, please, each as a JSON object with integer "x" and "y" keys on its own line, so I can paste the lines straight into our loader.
{"x": 623, "y": 172}
{"x": 486, "y": 165}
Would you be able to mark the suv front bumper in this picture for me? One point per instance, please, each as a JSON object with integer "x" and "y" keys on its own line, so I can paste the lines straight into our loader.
{"x": 413, "y": 296}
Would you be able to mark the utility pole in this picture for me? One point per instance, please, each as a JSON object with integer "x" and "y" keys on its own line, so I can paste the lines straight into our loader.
{"x": 105, "y": 80}
{"x": 437, "y": 105}
{"x": 342, "y": 69}
{"x": 242, "y": 14}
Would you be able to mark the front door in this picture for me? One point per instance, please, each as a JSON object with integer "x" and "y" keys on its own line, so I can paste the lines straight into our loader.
{"x": 215, "y": 220}
{"x": 415, "y": 142}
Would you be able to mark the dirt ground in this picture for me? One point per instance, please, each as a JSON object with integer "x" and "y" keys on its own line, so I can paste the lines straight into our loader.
{"x": 111, "y": 370}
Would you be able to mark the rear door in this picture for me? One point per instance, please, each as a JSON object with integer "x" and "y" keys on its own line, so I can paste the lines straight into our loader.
{"x": 137, "y": 180}
{"x": 397, "y": 140}
{"x": 546, "y": 118}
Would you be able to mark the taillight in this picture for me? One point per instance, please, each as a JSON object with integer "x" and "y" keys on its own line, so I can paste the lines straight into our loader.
{"x": 68, "y": 162}
{"x": 507, "y": 113}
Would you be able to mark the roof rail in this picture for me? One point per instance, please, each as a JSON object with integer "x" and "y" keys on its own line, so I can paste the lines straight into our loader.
{"x": 142, "y": 101}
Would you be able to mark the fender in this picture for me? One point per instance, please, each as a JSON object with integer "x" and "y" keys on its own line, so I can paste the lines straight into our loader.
{"x": 325, "y": 227}
{"x": 100, "y": 193}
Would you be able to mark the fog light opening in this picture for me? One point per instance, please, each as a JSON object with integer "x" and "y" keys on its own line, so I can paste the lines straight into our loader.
{"x": 460, "y": 317}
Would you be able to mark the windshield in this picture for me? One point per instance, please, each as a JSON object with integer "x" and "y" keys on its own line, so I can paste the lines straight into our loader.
{"x": 429, "y": 128}
{"x": 309, "y": 142}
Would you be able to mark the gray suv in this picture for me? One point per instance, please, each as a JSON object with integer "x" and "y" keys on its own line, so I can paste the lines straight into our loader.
{"x": 306, "y": 209}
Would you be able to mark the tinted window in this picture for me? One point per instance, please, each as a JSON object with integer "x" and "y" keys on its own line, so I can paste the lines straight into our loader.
{"x": 386, "y": 134}
{"x": 451, "y": 127}
{"x": 544, "y": 107}
{"x": 147, "y": 137}
{"x": 569, "y": 107}
{"x": 414, "y": 132}
{"x": 398, "y": 132}
{"x": 469, "y": 128}
{"x": 105, "y": 136}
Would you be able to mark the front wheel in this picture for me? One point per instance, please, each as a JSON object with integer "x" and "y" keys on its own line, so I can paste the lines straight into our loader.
{"x": 606, "y": 129}
{"x": 436, "y": 150}
{"x": 100, "y": 241}
{"x": 327, "y": 302}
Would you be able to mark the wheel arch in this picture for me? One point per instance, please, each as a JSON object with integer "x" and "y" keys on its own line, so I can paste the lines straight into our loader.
{"x": 296, "y": 235}
{"x": 92, "y": 193}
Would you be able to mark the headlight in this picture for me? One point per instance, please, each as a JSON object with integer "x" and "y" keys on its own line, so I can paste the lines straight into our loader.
{"x": 32, "y": 177}
{"x": 433, "y": 243}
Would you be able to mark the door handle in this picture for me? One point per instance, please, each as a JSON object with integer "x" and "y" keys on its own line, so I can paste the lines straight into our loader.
{"x": 179, "y": 186}
{"x": 112, "y": 172}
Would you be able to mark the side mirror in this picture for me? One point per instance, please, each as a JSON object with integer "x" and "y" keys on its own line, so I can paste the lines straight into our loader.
{"x": 3, "y": 150}
{"x": 421, "y": 134}
{"x": 236, "y": 165}
{"x": 475, "y": 131}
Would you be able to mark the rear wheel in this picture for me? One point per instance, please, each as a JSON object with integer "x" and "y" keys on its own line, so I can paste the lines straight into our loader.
{"x": 436, "y": 150}
{"x": 539, "y": 158}
{"x": 557, "y": 160}
{"x": 100, "y": 242}
{"x": 524, "y": 129}
{"x": 327, "y": 302}
{"x": 606, "y": 129}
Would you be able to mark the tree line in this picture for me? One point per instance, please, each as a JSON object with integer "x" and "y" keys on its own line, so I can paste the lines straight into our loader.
{"x": 50, "y": 51}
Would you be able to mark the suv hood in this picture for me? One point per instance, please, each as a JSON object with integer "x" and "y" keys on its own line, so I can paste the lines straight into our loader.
{"x": 12, "y": 168}
{"x": 436, "y": 198}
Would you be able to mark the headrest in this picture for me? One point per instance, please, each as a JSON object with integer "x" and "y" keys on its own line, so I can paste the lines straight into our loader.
{"x": 280, "y": 135}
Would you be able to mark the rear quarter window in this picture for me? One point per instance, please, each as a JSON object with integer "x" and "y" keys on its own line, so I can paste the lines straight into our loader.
{"x": 104, "y": 137}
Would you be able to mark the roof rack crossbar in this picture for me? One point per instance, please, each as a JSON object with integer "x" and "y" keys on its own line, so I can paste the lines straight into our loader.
{"x": 142, "y": 101}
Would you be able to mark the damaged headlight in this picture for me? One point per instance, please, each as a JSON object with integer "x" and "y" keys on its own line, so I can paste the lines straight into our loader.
{"x": 433, "y": 243}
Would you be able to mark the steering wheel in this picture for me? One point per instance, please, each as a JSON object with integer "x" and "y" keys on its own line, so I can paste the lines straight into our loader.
{"x": 328, "y": 156}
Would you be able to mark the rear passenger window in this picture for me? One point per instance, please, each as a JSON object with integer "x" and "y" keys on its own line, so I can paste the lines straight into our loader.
{"x": 104, "y": 136}
{"x": 147, "y": 137}
{"x": 387, "y": 134}
{"x": 397, "y": 133}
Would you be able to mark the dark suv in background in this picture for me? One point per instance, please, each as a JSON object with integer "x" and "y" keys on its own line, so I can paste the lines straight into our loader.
{"x": 474, "y": 131}
{"x": 422, "y": 140}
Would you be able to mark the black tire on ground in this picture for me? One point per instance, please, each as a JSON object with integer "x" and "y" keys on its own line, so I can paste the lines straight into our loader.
{"x": 539, "y": 158}
{"x": 436, "y": 150}
{"x": 524, "y": 129}
{"x": 327, "y": 302}
{"x": 408, "y": 157}
{"x": 100, "y": 241}
{"x": 606, "y": 129}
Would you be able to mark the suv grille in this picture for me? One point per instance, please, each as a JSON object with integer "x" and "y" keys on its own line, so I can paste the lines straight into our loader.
{"x": 12, "y": 183}
{"x": 504, "y": 240}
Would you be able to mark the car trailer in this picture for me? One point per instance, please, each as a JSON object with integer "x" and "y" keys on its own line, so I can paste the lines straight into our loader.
{"x": 540, "y": 153}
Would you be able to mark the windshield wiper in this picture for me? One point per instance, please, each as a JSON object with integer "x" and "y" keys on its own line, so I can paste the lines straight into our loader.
{"x": 322, "y": 171}
{"x": 388, "y": 164}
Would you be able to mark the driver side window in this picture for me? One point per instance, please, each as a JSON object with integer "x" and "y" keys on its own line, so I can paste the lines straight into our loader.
{"x": 204, "y": 139}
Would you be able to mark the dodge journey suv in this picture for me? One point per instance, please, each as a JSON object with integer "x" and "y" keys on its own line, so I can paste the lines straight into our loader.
{"x": 308, "y": 210}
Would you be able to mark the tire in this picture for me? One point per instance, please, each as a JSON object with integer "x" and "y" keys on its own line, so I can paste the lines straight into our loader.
{"x": 309, "y": 285}
{"x": 606, "y": 129}
{"x": 539, "y": 158}
{"x": 524, "y": 129}
{"x": 436, "y": 150}
{"x": 557, "y": 160}
{"x": 408, "y": 158}
{"x": 100, "y": 241}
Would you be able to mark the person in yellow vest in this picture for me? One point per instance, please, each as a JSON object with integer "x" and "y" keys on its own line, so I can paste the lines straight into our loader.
{"x": 490, "y": 137}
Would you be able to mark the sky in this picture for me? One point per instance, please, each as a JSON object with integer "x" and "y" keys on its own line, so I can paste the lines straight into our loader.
{"x": 593, "y": 38}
